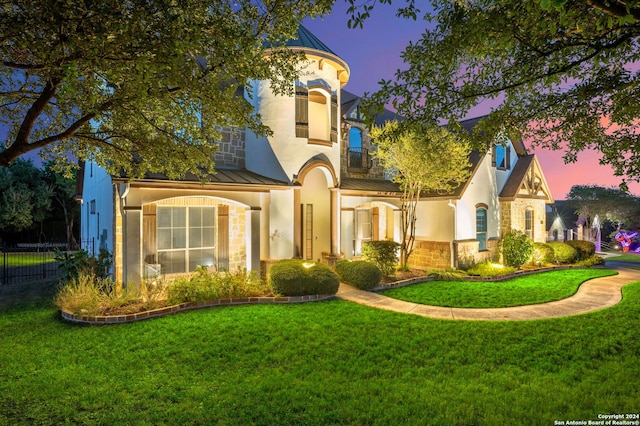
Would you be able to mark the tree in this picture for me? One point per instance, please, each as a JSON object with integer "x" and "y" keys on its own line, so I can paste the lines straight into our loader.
{"x": 140, "y": 85}
{"x": 561, "y": 74}
{"x": 423, "y": 159}
{"x": 610, "y": 204}
{"x": 63, "y": 191}
{"x": 25, "y": 199}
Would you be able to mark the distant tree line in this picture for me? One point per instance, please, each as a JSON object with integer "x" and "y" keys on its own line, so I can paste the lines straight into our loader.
{"x": 616, "y": 209}
{"x": 37, "y": 205}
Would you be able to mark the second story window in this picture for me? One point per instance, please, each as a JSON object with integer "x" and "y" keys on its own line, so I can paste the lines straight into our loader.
{"x": 357, "y": 154}
{"x": 501, "y": 157}
{"x": 319, "y": 112}
{"x": 316, "y": 114}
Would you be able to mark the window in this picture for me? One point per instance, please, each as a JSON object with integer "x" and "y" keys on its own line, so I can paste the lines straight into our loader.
{"x": 316, "y": 114}
{"x": 363, "y": 229}
{"x": 356, "y": 153}
{"x": 502, "y": 157}
{"x": 92, "y": 207}
{"x": 528, "y": 223}
{"x": 185, "y": 238}
{"x": 481, "y": 228}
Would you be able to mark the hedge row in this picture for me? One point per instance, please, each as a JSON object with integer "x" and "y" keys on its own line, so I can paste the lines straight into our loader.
{"x": 295, "y": 277}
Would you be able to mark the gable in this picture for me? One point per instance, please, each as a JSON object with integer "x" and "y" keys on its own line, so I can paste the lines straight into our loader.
{"x": 526, "y": 181}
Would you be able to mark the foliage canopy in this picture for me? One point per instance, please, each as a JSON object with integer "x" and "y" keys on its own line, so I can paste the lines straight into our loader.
{"x": 561, "y": 74}
{"x": 139, "y": 85}
{"x": 423, "y": 158}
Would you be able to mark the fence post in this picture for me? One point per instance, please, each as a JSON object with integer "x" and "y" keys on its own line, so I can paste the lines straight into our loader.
{"x": 5, "y": 272}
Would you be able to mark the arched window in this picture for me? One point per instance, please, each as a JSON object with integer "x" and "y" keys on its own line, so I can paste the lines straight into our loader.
{"x": 319, "y": 110}
{"x": 316, "y": 116}
{"x": 356, "y": 153}
{"x": 481, "y": 227}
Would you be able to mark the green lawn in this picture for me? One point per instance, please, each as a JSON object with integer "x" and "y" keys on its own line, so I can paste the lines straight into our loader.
{"x": 316, "y": 364}
{"x": 526, "y": 290}
{"x": 628, "y": 257}
{"x": 27, "y": 259}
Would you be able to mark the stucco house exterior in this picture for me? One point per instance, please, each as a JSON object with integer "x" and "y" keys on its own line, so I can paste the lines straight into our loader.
{"x": 312, "y": 190}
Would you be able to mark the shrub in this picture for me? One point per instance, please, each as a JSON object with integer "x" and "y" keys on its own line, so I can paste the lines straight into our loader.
{"x": 383, "y": 254}
{"x": 516, "y": 248}
{"x": 591, "y": 261}
{"x": 585, "y": 249}
{"x": 563, "y": 252}
{"x": 448, "y": 274}
{"x": 542, "y": 254}
{"x": 295, "y": 277}
{"x": 74, "y": 264}
{"x": 489, "y": 269}
{"x": 204, "y": 286}
{"x": 359, "y": 273}
{"x": 87, "y": 294}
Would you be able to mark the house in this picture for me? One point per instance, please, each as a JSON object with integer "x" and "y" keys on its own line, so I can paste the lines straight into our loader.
{"x": 563, "y": 223}
{"x": 311, "y": 190}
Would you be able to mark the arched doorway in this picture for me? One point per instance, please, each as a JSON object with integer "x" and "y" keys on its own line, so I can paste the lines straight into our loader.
{"x": 317, "y": 211}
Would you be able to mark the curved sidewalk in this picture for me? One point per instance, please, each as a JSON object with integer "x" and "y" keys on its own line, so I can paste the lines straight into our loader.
{"x": 595, "y": 294}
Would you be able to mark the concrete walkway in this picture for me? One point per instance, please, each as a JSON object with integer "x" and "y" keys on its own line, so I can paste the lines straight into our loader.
{"x": 592, "y": 295}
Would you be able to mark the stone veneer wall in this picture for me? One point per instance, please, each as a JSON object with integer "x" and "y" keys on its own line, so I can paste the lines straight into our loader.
{"x": 431, "y": 254}
{"x": 513, "y": 217}
{"x": 231, "y": 151}
{"x": 437, "y": 254}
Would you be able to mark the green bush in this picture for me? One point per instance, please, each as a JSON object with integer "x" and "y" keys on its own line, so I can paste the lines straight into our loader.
{"x": 591, "y": 261}
{"x": 585, "y": 249}
{"x": 542, "y": 254}
{"x": 448, "y": 274}
{"x": 383, "y": 254}
{"x": 359, "y": 273}
{"x": 563, "y": 252}
{"x": 294, "y": 277}
{"x": 516, "y": 248}
{"x": 489, "y": 269}
{"x": 77, "y": 263}
{"x": 204, "y": 286}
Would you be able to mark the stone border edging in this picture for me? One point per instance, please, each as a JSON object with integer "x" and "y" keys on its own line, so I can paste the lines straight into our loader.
{"x": 188, "y": 306}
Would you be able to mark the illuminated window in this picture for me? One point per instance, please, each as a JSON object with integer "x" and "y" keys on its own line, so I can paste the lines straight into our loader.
{"x": 186, "y": 238}
{"x": 316, "y": 115}
{"x": 528, "y": 223}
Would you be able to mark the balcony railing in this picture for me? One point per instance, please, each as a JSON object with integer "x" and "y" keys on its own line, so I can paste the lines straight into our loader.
{"x": 358, "y": 158}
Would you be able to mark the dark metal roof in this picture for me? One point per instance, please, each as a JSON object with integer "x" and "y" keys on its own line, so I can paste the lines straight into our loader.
{"x": 513, "y": 184}
{"x": 224, "y": 176}
{"x": 305, "y": 39}
{"x": 369, "y": 185}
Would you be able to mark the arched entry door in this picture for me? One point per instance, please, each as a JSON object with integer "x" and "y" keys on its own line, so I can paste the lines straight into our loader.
{"x": 317, "y": 212}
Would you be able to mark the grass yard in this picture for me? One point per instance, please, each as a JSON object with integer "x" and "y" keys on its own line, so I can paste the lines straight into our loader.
{"x": 627, "y": 257}
{"x": 315, "y": 364}
{"x": 526, "y": 290}
{"x": 27, "y": 259}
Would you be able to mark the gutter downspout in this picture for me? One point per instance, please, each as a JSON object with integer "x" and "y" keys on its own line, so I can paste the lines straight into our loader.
{"x": 453, "y": 257}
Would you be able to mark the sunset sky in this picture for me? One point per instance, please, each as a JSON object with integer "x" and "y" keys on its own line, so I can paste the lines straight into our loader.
{"x": 373, "y": 53}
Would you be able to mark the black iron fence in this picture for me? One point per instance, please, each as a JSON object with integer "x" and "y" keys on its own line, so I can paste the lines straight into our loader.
{"x": 33, "y": 261}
